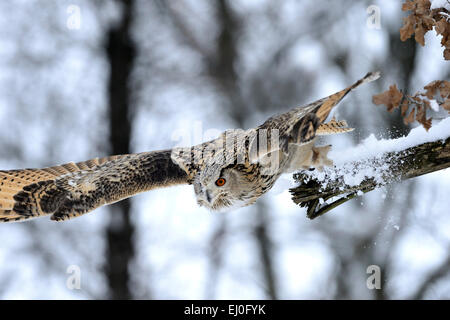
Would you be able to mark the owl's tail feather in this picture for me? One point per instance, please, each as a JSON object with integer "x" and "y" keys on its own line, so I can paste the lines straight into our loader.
{"x": 328, "y": 104}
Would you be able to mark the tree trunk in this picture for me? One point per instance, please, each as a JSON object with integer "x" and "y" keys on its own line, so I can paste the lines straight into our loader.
{"x": 120, "y": 52}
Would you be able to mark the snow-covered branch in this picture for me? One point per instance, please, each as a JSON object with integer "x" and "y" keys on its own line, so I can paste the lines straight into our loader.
{"x": 372, "y": 164}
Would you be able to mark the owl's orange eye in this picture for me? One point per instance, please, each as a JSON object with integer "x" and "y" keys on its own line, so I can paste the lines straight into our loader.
{"x": 220, "y": 182}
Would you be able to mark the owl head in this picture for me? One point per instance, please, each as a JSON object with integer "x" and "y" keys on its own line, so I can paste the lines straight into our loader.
{"x": 219, "y": 182}
{"x": 221, "y": 188}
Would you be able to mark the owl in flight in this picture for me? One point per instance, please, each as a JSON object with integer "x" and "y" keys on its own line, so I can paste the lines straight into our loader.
{"x": 232, "y": 170}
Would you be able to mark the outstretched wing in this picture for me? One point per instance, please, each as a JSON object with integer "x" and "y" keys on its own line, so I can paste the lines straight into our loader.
{"x": 73, "y": 189}
{"x": 300, "y": 125}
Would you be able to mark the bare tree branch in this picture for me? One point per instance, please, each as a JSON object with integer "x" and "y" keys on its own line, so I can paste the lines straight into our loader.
{"x": 409, "y": 163}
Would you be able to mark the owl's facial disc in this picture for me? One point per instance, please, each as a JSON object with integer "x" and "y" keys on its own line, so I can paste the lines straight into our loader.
{"x": 213, "y": 192}
{"x": 223, "y": 190}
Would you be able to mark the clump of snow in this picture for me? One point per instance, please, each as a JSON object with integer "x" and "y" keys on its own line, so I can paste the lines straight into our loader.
{"x": 372, "y": 147}
{"x": 370, "y": 160}
{"x": 352, "y": 175}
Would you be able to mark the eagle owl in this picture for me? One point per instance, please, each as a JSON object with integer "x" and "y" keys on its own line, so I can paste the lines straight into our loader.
{"x": 232, "y": 170}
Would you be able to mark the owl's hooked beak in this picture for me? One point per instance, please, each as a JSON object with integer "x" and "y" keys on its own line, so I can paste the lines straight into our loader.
{"x": 208, "y": 196}
{"x": 205, "y": 197}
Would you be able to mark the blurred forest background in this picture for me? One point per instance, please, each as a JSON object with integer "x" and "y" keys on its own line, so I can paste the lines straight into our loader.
{"x": 82, "y": 79}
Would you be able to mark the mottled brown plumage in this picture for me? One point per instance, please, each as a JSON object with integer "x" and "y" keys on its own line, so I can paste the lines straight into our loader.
{"x": 248, "y": 162}
{"x": 73, "y": 189}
